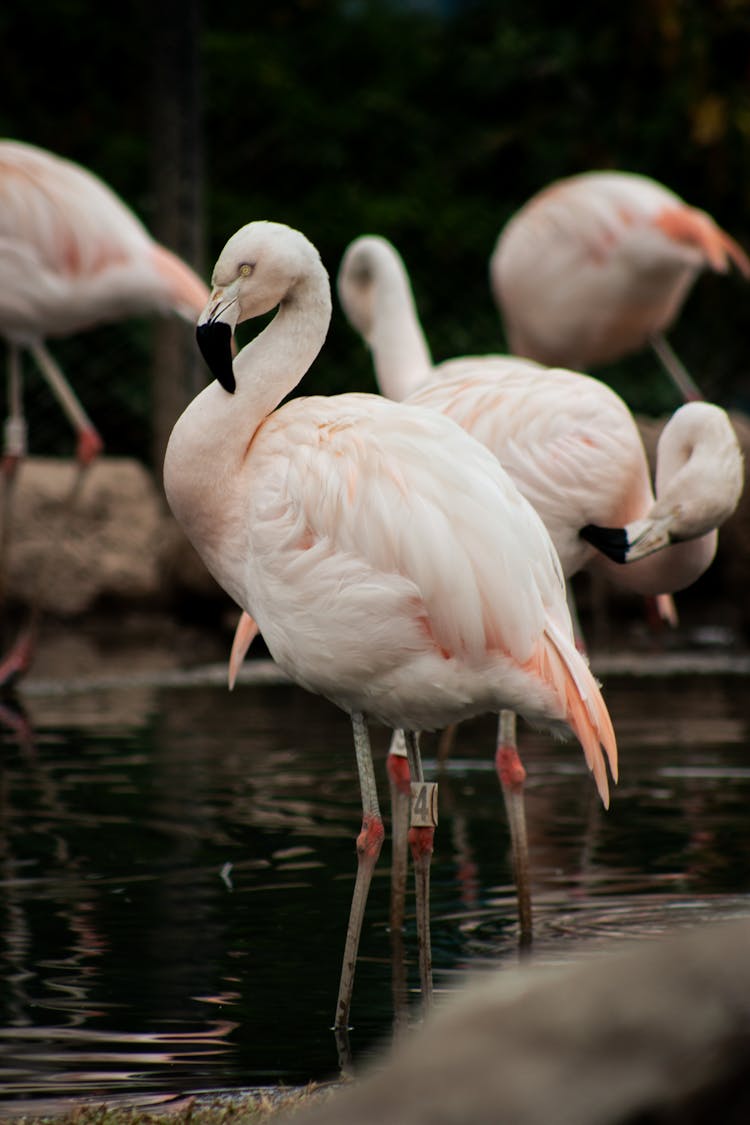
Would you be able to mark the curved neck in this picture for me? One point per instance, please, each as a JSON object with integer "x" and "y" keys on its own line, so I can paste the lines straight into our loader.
{"x": 400, "y": 352}
{"x": 665, "y": 572}
{"x": 210, "y": 440}
{"x": 274, "y": 362}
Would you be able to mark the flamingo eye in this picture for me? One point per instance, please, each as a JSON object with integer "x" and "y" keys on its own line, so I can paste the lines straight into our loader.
{"x": 245, "y": 269}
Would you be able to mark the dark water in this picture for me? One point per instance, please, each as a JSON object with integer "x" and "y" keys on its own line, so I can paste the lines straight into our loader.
{"x": 176, "y": 864}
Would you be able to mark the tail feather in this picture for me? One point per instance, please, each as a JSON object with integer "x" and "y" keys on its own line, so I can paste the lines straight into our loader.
{"x": 566, "y": 671}
{"x": 244, "y": 635}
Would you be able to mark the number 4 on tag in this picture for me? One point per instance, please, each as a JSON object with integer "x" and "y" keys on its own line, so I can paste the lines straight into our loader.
{"x": 424, "y": 806}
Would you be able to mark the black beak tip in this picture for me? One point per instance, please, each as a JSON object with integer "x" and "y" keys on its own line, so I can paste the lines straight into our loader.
{"x": 215, "y": 343}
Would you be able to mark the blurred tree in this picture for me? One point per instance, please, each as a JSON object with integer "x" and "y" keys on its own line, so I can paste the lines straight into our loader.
{"x": 429, "y": 123}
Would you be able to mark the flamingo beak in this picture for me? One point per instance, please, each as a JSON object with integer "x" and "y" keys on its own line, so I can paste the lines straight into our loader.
{"x": 214, "y": 335}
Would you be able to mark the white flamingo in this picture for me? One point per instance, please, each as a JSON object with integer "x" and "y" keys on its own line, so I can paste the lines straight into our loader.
{"x": 389, "y": 561}
{"x": 598, "y": 265}
{"x": 72, "y": 256}
{"x": 573, "y": 449}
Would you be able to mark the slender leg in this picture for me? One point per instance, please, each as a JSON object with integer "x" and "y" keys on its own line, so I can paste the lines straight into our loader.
{"x": 512, "y": 776}
{"x": 89, "y": 442}
{"x": 18, "y": 659}
{"x": 445, "y": 744}
{"x": 14, "y": 450}
{"x": 421, "y": 837}
{"x": 369, "y": 843}
{"x": 397, "y": 766}
{"x": 399, "y": 781}
{"x": 676, "y": 370}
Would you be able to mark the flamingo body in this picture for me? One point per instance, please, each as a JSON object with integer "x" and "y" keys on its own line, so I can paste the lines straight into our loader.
{"x": 354, "y": 531}
{"x": 569, "y": 442}
{"x": 386, "y": 557}
{"x": 72, "y": 255}
{"x": 595, "y": 266}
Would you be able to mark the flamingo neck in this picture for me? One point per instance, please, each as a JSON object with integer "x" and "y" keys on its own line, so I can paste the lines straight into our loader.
{"x": 699, "y": 470}
{"x": 270, "y": 366}
{"x": 209, "y": 443}
{"x": 400, "y": 351}
{"x": 665, "y": 572}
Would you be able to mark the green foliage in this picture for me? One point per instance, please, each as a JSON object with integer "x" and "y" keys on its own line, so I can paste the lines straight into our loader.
{"x": 428, "y": 123}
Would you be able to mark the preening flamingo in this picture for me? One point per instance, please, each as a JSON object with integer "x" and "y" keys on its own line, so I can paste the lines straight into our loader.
{"x": 390, "y": 563}
{"x": 72, "y": 256}
{"x": 598, "y": 265}
{"x": 572, "y": 447}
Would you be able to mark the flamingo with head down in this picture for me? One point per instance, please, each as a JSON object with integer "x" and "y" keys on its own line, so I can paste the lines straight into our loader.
{"x": 598, "y": 265}
{"x": 572, "y": 447}
{"x": 72, "y": 256}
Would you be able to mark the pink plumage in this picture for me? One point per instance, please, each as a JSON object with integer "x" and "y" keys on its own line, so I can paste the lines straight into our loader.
{"x": 596, "y": 266}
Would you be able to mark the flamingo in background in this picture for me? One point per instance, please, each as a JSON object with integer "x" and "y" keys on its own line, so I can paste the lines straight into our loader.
{"x": 573, "y": 449}
{"x": 391, "y": 564}
{"x": 597, "y": 266}
{"x": 72, "y": 256}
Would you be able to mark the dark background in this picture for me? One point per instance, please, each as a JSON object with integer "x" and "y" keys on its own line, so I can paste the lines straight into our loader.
{"x": 429, "y": 123}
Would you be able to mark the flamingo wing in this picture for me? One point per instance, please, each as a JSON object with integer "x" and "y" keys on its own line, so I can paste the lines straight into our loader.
{"x": 72, "y": 254}
{"x": 351, "y": 501}
{"x": 568, "y": 441}
{"x": 594, "y": 266}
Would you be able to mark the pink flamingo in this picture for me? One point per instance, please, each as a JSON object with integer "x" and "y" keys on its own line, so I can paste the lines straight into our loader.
{"x": 389, "y": 561}
{"x": 573, "y": 449}
{"x": 597, "y": 266}
{"x": 72, "y": 255}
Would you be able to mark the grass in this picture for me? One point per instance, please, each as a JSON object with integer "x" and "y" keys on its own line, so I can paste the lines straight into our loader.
{"x": 242, "y": 1109}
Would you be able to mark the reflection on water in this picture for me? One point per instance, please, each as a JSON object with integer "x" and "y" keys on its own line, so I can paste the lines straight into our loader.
{"x": 176, "y": 864}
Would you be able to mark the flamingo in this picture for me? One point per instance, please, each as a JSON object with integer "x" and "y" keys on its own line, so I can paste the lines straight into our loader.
{"x": 572, "y": 447}
{"x": 597, "y": 266}
{"x": 72, "y": 255}
{"x": 390, "y": 563}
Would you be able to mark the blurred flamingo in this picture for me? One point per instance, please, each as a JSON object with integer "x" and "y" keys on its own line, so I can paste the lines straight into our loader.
{"x": 72, "y": 255}
{"x": 597, "y": 266}
{"x": 573, "y": 448}
{"x": 388, "y": 560}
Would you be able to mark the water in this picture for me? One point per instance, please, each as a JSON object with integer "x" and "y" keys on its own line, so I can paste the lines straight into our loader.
{"x": 176, "y": 864}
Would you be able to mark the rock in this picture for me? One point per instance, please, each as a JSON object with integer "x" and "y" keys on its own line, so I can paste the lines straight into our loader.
{"x": 105, "y": 545}
{"x": 658, "y": 1032}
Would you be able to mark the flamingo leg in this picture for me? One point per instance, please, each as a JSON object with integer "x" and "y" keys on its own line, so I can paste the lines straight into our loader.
{"x": 90, "y": 443}
{"x": 14, "y": 450}
{"x": 369, "y": 843}
{"x": 18, "y": 659}
{"x": 676, "y": 370}
{"x": 445, "y": 744}
{"x": 399, "y": 781}
{"x": 512, "y": 776}
{"x": 421, "y": 837}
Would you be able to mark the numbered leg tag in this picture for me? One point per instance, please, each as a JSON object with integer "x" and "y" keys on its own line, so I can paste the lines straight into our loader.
{"x": 424, "y": 804}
